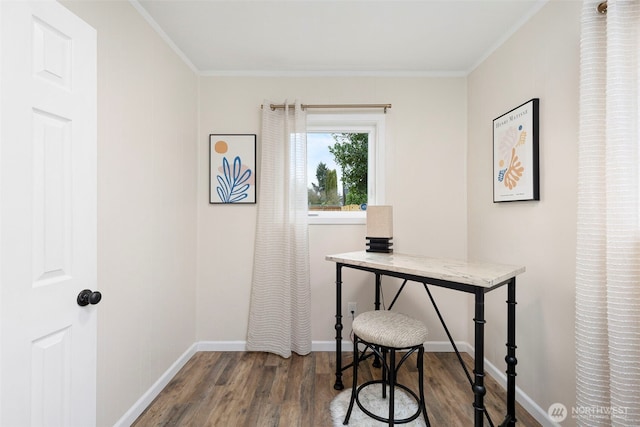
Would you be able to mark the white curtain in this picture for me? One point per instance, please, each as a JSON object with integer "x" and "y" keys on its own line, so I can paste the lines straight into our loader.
{"x": 280, "y": 312}
{"x": 608, "y": 246}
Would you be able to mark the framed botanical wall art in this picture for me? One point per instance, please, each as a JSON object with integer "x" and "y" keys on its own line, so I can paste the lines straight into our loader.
{"x": 232, "y": 168}
{"x": 516, "y": 162}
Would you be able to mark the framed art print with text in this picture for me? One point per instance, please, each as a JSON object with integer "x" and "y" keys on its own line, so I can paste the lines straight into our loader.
{"x": 232, "y": 168}
{"x": 516, "y": 162}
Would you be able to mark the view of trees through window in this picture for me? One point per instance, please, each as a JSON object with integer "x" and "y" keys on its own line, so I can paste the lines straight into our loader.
{"x": 337, "y": 165}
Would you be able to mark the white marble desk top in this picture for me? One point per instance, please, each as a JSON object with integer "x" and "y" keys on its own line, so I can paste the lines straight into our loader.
{"x": 480, "y": 274}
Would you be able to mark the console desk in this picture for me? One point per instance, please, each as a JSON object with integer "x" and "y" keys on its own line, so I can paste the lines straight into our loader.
{"x": 471, "y": 277}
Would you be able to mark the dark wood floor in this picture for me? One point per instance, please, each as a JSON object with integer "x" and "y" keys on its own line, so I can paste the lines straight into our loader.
{"x": 258, "y": 389}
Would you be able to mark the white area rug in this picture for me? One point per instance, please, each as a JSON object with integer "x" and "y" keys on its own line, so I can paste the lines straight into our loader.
{"x": 371, "y": 398}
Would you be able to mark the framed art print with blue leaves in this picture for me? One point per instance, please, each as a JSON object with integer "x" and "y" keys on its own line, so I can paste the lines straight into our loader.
{"x": 232, "y": 168}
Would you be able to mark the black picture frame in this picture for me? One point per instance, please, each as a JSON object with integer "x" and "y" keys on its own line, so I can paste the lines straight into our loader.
{"x": 232, "y": 168}
{"x": 516, "y": 157}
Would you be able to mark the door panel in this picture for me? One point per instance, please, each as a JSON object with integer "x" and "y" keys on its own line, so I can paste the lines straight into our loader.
{"x": 51, "y": 207}
{"x": 51, "y": 378}
{"x": 51, "y": 54}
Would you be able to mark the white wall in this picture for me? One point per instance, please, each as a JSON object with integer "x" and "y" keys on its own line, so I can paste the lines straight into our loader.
{"x": 541, "y": 60}
{"x": 147, "y": 122}
{"x": 426, "y": 184}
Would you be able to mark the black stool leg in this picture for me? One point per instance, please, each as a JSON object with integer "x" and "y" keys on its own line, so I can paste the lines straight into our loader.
{"x": 356, "y": 361}
{"x": 421, "y": 384}
{"x": 392, "y": 386}
{"x": 385, "y": 373}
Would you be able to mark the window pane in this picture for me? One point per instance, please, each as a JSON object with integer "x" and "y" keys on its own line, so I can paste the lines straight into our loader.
{"x": 337, "y": 168}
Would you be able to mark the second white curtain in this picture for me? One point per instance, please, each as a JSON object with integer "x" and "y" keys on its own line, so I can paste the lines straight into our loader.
{"x": 608, "y": 249}
{"x": 280, "y": 311}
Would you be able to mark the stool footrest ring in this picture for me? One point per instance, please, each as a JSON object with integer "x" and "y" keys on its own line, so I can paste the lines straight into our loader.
{"x": 383, "y": 419}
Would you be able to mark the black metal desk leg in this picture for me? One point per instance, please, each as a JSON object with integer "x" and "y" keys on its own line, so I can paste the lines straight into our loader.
{"x": 478, "y": 386}
{"x": 511, "y": 353}
{"x": 338, "y": 384}
{"x": 376, "y": 304}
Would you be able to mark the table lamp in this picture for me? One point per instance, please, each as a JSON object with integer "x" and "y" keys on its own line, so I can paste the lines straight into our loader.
{"x": 379, "y": 229}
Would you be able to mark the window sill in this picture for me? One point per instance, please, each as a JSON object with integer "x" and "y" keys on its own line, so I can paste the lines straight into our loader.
{"x": 337, "y": 218}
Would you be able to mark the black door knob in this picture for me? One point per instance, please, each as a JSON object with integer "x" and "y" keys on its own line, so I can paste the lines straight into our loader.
{"x": 87, "y": 297}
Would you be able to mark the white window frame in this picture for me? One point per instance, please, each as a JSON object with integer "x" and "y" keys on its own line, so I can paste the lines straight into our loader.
{"x": 374, "y": 125}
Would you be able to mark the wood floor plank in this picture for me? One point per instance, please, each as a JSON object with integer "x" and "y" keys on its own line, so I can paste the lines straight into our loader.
{"x": 236, "y": 389}
{"x": 323, "y": 396}
{"x": 279, "y": 387}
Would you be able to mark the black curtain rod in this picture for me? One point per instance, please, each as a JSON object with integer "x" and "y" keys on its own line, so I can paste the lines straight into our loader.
{"x": 335, "y": 106}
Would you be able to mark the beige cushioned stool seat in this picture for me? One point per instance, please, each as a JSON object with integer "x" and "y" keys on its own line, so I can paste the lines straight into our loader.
{"x": 389, "y": 329}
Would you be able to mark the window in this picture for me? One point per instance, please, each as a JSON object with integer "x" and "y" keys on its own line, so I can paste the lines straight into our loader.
{"x": 336, "y": 145}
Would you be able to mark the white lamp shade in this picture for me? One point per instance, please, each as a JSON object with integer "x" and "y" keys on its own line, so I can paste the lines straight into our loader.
{"x": 380, "y": 221}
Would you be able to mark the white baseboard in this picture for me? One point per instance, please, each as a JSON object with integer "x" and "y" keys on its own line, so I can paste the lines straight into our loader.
{"x": 145, "y": 400}
{"x": 221, "y": 345}
{"x": 330, "y": 345}
{"x": 521, "y": 397}
{"x": 446, "y": 347}
{"x": 431, "y": 346}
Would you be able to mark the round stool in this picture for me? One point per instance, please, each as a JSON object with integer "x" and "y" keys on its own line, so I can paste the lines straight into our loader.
{"x": 384, "y": 332}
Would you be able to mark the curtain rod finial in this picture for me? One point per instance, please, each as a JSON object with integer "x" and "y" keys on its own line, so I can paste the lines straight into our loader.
{"x": 602, "y": 7}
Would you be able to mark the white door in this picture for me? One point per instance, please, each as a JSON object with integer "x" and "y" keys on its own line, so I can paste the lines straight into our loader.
{"x": 47, "y": 216}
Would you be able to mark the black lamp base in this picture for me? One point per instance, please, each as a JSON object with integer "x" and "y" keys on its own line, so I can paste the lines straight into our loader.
{"x": 379, "y": 244}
